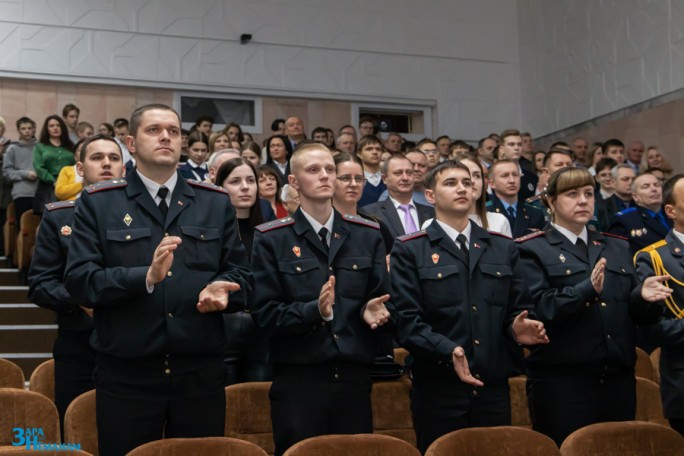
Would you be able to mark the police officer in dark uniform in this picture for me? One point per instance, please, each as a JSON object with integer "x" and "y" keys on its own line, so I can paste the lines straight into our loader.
{"x": 645, "y": 223}
{"x": 667, "y": 257}
{"x": 586, "y": 292}
{"x": 100, "y": 160}
{"x": 504, "y": 179}
{"x": 158, "y": 259}
{"x": 321, "y": 287}
{"x": 461, "y": 302}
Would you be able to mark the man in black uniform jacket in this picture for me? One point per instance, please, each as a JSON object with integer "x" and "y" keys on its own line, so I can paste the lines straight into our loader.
{"x": 100, "y": 160}
{"x": 461, "y": 302}
{"x": 667, "y": 257}
{"x": 158, "y": 259}
{"x": 321, "y": 295}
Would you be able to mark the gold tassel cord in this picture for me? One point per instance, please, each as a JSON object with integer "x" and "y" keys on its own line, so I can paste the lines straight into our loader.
{"x": 659, "y": 269}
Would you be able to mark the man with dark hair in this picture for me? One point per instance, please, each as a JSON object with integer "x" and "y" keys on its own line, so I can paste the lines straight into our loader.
{"x": 70, "y": 114}
{"x": 666, "y": 257}
{"x": 100, "y": 160}
{"x": 580, "y": 146}
{"x": 528, "y": 146}
{"x": 121, "y": 129}
{"x": 399, "y": 212}
{"x": 459, "y": 149}
{"x": 17, "y": 167}
{"x": 623, "y": 175}
{"x": 462, "y": 304}
{"x": 370, "y": 151}
{"x": 321, "y": 298}
{"x": 278, "y": 126}
{"x": 485, "y": 151}
{"x": 504, "y": 180}
{"x": 429, "y": 148}
{"x": 511, "y": 149}
{"x": 368, "y": 126}
{"x": 615, "y": 149}
{"x": 349, "y": 129}
{"x": 443, "y": 143}
{"x": 393, "y": 143}
{"x": 204, "y": 124}
{"x": 158, "y": 259}
{"x": 319, "y": 134}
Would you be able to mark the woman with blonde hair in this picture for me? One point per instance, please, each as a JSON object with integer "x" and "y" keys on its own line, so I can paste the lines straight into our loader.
{"x": 654, "y": 159}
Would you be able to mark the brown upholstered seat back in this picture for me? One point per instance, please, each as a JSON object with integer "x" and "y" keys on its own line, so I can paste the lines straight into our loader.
{"x": 206, "y": 446}
{"x": 493, "y": 441}
{"x": 26, "y": 409}
{"x": 80, "y": 423}
{"x": 248, "y": 414}
{"x": 392, "y": 410}
{"x": 356, "y": 445}
{"x": 11, "y": 375}
{"x": 43, "y": 379}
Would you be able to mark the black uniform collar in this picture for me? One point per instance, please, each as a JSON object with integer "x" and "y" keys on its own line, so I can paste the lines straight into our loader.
{"x": 181, "y": 198}
{"x": 479, "y": 238}
{"x": 340, "y": 231}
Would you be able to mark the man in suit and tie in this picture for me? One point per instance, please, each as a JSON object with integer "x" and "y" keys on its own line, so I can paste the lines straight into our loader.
{"x": 504, "y": 180}
{"x": 399, "y": 212}
{"x": 511, "y": 148}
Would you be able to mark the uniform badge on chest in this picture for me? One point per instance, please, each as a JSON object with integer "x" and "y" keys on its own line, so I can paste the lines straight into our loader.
{"x": 435, "y": 258}
{"x": 297, "y": 251}
{"x": 127, "y": 219}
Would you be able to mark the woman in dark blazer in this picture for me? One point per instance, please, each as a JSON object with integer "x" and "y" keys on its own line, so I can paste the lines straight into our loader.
{"x": 279, "y": 151}
{"x": 587, "y": 294}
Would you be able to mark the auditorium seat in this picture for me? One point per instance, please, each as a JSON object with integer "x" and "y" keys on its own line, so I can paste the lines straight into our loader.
{"x": 627, "y": 438}
{"x": 520, "y": 412}
{"x": 392, "y": 410}
{"x": 205, "y": 446}
{"x": 644, "y": 367}
{"x": 400, "y": 355}
{"x": 353, "y": 444}
{"x": 80, "y": 423}
{"x": 9, "y": 231}
{"x": 26, "y": 409}
{"x": 493, "y": 441}
{"x": 248, "y": 414}
{"x": 649, "y": 406}
{"x": 26, "y": 238}
{"x": 655, "y": 362}
{"x": 11, "y": 375}
{"x": 43, "y": 379}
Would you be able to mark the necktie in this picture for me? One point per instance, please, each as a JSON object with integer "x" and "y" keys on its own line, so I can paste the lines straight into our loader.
{"x": 409, "y": 224}
{"x": 582, "y": 247}
{"x": 463, "y": 243}
{"x": 323, "y": 234}
{"x": 163, "y": 207}
{"x": 511, "y": 212}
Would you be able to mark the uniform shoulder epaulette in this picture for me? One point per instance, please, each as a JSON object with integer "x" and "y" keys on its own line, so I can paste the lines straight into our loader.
{"x": 361, "y": 221}
{"x": 627, "y": 211}
{"x": 489, "y": 203}
{"x": 106, "y": 185}
{"x": 60, "y": 205}
{"x": 531, "y": 205}
{"x": 496, "y": 233}
{"x": 207, "y": 186}
{"x": 268, "y": 226}
{"x": 615, "y": 236}
{"x": 654, "y": 246}
{"x": 527, "y": 237}
{"x": 416, "y": 235}
{"x": 532, "y": 199}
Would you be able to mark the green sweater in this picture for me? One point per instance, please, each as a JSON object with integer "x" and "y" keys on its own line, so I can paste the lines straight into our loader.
{"x": 48, "y": 161}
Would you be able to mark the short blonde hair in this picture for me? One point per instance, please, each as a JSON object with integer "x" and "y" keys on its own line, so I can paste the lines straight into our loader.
{"x": 303, "y": 149}
{"x": 564, "y": 180}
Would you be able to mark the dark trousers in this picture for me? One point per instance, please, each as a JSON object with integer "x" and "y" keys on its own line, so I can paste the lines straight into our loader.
{"x": 74, "y": 368}
{"x": 136, "y": 408}
{"x": 247, "y": 350}
{"x": 309, "y": 401}
{"x": 22, "y": 205}
{"x": 559, "y": 405}
{"x": 440, "y": 407}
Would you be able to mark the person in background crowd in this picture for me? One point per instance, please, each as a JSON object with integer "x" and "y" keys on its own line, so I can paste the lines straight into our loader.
{"x": 330, "y": 142}
{"x": 615, "y": 149}
{"x": 84, "y": 130}
{"x": 665, "y": 257}
{"x": 349, "y": 183}
{"x": 216, "y": 160}
{"x": 654, "y": 159}
{"x": 17, "y": 167}
{"x": 368, "y": 126}
{"x": 485, "y": 151}
{"x": 159, "y": 373}
{"x": 278, "y": 126}
{"x": 323, "y": 308}
{"x": 53, "y": 151}
{"x": 538, "y": 159}
{"x": 645, "y": 223}
{"x": 459, "y": 149}
{"x": 70, "y": 115}
{"x": 479, "y": 214}
{"x": 106, "y": 129}
{"x": 196, "y": 166}
{"x": 393, "y": 143}
{"x": 294, "y": 129}
{"x": 247, "y": 351}
{"x": 248, "y": 137}
{"x": 443, "y": 143}
{"x": 511, "y": 149}
{"x": 252, "y": 152}
{"x": 623, "y": 176}
{"x": 204, "y": 124}
{"x": 269, "y": 190}
{"x": 217, "y": 141}
{"x": 290, "y": 198}
{"x": 461, "y": 303}
{"x": 580, "y": 147}
{"x": 634, "y": 153}
{"x": 604, "y": 178}
{"x": 586, "y": 293}
{"x": 429, "y": 148}
{"x": 370, "y": 150}
{"x": 595, "y": 154}
{"x": 346, "y": 142}
{"x": 100, "y": 159}
{"x": 69, "y": 183}
{"x": 234, "y": 132}
{"x": 319, "y": 134}
{"x": 121, "y": 129}
{"x": 279, "y": 153}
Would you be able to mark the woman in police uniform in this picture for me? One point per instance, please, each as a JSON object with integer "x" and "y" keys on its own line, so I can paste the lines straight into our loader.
{"x": 586, "y": 293}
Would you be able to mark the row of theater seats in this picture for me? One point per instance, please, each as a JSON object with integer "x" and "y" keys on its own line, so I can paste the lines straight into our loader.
{"x": 248, "y": 408}
{"x": 19, "y": 245}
